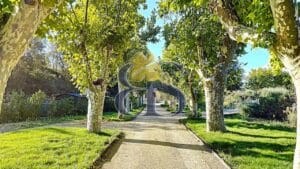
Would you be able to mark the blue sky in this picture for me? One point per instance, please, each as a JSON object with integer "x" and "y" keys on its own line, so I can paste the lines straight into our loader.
{"x": 255, "y": 57}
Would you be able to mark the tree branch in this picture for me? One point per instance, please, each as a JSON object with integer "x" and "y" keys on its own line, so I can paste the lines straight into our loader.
{"x": 236, "y": 30}
{"x": 285, "y": 27}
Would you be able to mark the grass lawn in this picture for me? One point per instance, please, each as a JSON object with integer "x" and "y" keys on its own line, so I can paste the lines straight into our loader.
{"x": 5, "y": 127}
{"x": 113, "y": 116}
{"x": 52, "y": 147}
{"x": 250, "y": 144}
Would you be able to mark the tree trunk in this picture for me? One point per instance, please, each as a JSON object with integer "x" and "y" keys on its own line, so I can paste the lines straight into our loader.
{"x": 194, "y": 102}
{"x": 17, "y": 34}
{"x": 195, "y": 108}
{"x": 294, "y": 71}
{"x": 285, "y": 42}
{"x": 214, "y": 98}
{"x": 120, "y": 115}
{"x": 297, "y": 149}
{"x": 95, "y": 109}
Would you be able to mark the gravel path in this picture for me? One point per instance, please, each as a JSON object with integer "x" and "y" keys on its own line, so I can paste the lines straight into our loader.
{"x": 160, "y": 142}
{"x": 157, "y": 142}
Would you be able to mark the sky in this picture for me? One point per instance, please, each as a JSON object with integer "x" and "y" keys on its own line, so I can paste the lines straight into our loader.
{"x": 254, "y": 58}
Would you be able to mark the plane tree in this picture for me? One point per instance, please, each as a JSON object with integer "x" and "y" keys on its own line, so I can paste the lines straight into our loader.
{"x": 195, "y": 38}
{"x": 269, "y": 24}
{"x": 92, "y": 36}
{"x": 19, "y": 20}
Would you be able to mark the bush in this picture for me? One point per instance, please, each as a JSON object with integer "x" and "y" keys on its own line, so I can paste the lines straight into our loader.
{"x": 62, "y": 107}
{"x": 270, "y": 104}
{"x": 36, "y": 101}
{"x": 20, "y": 108}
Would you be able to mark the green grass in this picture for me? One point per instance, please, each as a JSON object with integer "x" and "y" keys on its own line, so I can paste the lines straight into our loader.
{"x": 38, "y": 123}
{"x": 52, "y": 147}
{"x": 250, "y": 144}
{"x": 113, "y": 116}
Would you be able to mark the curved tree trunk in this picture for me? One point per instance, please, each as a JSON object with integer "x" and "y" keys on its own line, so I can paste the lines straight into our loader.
{"x": 214, "y": 98}
{"x": 17, "y": 34}
{"x": 294, "y": 70}
{"x": 297, "y": 149}
{"x": 284, "y": 41}
{"x": 95, "y": 109}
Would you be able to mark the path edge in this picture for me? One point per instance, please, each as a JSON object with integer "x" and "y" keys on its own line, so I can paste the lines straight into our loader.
{"x": 202, "y": 140}
{"x": 104, "y": 155}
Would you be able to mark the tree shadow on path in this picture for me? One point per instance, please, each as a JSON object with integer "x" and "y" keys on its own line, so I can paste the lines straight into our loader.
{"x": 170, "y": 144}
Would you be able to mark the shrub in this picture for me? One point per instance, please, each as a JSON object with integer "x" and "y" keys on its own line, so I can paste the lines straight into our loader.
{"x": 17, "y": 108}
{"x": 21, "y": 108}
{"x": 248, "y": 109}
{"x": 36, "y": 101}
{"x": 61, "y": 107}
{"x": 271, "y": 104}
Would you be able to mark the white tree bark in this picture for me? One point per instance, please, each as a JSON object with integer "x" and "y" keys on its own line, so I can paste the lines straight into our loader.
{"x": 296, "y": 164}
{"x": 95, "y": 109}
{"x": 294, "y": 70}
{"x": 17, "y": 34}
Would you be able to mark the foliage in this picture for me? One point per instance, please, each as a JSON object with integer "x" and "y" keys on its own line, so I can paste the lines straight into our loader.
{"x": 52, "y": 147}
{"x": 38, "y": 70}
{"x": 36, "y": 101}
{"x": 270, "y": 104}
{"x": 255, "y": 13}
{"x": 6, "y": 8}
{"x": 150, "y": 32}
{"x": 93, "y": 40}
{"x": 262, "y": 78}
{"x": 19, "y": 107}
{"x": 62, "y": 107}
{"x": 250, "y": 144}
{"x": 235, "y": 77}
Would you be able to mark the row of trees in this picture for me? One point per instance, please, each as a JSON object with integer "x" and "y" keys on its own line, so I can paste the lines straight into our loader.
{"x": 95, "y": 36}
{"x": 198, "y": 41}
